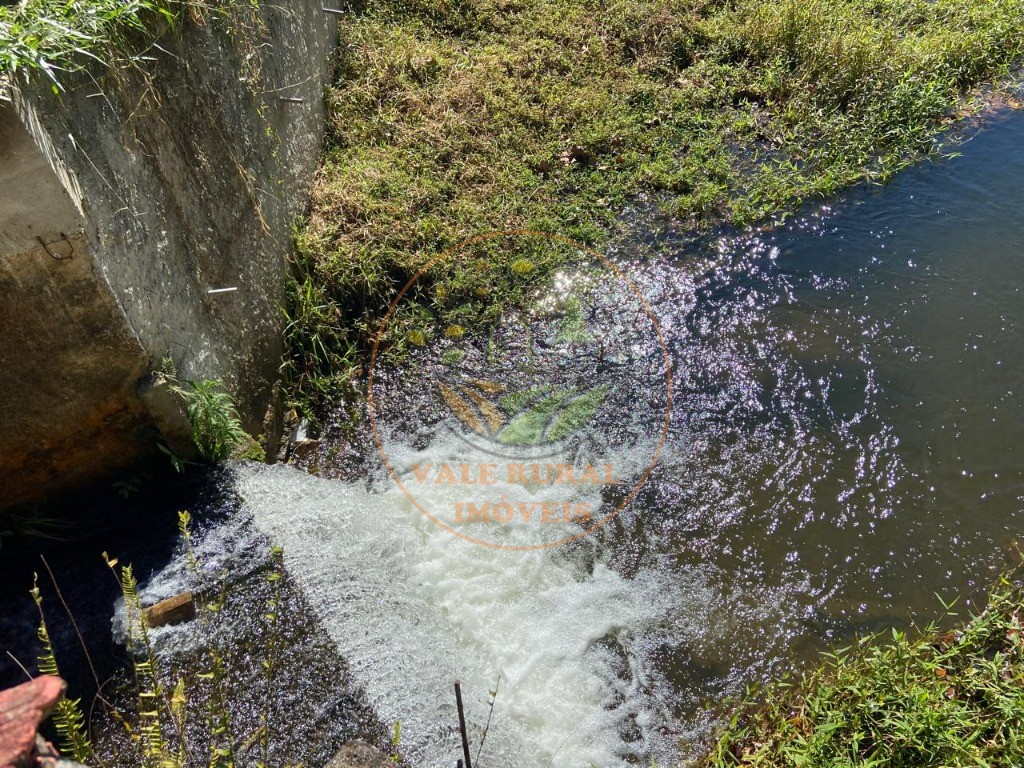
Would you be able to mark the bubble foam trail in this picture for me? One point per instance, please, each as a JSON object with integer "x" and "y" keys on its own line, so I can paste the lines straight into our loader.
{"x": 413, "y": 608}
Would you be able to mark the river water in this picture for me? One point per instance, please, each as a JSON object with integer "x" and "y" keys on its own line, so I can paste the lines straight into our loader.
{"x": 843, "y": 445}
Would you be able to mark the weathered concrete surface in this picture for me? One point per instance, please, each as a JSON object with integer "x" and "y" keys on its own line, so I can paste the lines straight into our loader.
{"x": 68, "y": 362}
{"x": 170, "y": 180}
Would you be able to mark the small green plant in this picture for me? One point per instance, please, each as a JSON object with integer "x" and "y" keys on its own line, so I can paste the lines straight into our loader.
{"x": 150, "y": 693}
{"x": 158, "y": 725}
{"x": 252, "y": 450}
{"x": 396, "y": 742}
{"x": 216, "y": 427}
{"x": 67, "y": 715}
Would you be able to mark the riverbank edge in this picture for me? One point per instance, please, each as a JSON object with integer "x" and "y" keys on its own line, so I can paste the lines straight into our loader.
{"x": 928, "y": 696}
{"x": 448, "y": 122}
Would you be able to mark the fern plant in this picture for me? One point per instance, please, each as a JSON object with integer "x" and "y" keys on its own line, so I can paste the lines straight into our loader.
{"x": 213, "y": 415}
{"x": 67, "y": 715}
{"x": 150, "y": 694}
{"x": 157, "y": 726}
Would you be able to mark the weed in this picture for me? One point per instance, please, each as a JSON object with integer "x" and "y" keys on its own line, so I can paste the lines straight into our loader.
{"x": 158, "y": 724}
{"x": 67, "y": 715}
{"x": 938, "y": 698}
{"x": 216, "y": 427}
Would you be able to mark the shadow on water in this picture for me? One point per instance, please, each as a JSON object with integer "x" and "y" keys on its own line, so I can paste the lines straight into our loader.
{"x": 141, "y": 529}
{"x": 311, "y": 703}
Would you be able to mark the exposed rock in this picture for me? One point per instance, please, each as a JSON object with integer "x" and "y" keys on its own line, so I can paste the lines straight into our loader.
{"x": 173, "y": 610}
{"x": 359, "y": 754}
{"x": 48, "y": 757}
{"x": 22, "y": 710}
{"x": 304, "y": 449}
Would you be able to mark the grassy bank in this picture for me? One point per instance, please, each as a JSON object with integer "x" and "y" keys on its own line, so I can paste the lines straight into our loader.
{"x": 936, "y": 699}
{"x": 453, "y": 117}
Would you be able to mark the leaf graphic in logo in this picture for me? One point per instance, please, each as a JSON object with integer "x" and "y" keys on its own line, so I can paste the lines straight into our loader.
{"x": 539, "y": 415}
{"x": 528, "y": 427}
{"x": 494, "y": 418}
{"x": 577, "y": 413}
{"x": 490, "y": 387}
{"x": 554, "y": 418}
{"x": 462, "y": 399}
{"x": 463, "y": 411}
{"x": 514, "y": 402}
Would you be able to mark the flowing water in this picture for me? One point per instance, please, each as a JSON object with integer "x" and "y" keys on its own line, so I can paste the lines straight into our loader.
{"x": 842, "y": 447}
{"x": 847, "y": 395}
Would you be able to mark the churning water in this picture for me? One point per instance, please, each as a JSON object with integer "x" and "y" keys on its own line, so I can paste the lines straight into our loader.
{"x": 844, "y": 444}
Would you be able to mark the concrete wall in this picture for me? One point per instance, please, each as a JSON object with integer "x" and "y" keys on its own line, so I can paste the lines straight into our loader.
{"x": 169, "y": 180}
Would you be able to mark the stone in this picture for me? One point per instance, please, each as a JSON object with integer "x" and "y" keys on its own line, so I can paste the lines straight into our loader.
{"x": 22, "y": 710}
{"x": 304, "y": 449}
{"x": 173, "y": 610}
{"x": 48, "y": 757}
{"x": 359, "y": 754}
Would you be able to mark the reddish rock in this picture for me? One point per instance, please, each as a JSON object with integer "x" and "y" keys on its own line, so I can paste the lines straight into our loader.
{"x": 359, "y": 754}
{"x": 303, "y": 449}
{"x": 22, "y": 710}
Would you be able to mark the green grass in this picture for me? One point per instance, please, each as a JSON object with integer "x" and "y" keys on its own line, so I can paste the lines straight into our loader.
{"x": 59, "y": 36}
{"x": 55, "y": 38}
{"x": 211, "y": 411}
{"x": 952, "y": 699}
{"x": 454, "y": 117}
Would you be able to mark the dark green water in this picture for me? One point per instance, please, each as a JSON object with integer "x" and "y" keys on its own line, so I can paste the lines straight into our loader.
{"x": 849, "y": 412}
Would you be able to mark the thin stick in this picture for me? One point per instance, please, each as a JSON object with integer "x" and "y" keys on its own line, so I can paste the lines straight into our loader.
{"x": 81, "y": 641}
{"x": 78, "y": 632}
{"x": 15, "y": 660}
{"x": 462, "y": 724}
{"x": 487, "y": 725}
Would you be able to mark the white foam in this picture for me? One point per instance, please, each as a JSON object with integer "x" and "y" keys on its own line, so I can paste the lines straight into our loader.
{"x": 413, "y": 607}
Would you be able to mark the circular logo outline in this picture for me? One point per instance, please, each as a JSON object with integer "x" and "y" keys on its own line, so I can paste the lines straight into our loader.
{"x": 373, "y": 363}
